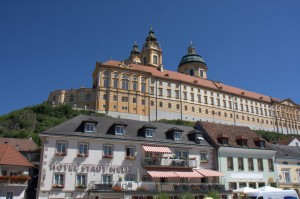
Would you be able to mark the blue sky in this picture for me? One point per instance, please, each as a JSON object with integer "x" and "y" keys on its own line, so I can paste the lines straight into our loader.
{"x": 49, "y": 45}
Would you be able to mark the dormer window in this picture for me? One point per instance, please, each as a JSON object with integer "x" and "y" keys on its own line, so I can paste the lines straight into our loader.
{"x": 120, "y": 130}
{"x": 222, "y": 138}
{"x": 242, "y": 141}
{"x": 149, "y": 133}
{"x": 259, "y": 142}
{"x": 177, "y": 135}
{"x": 89, "y": 127}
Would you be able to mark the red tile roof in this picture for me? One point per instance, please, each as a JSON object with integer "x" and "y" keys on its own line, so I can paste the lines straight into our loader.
{"x": 10, "y": 156}
{"x": 197, "y": 81}
{"x": 234, "y": 133}
{"x": 20, "y": 144}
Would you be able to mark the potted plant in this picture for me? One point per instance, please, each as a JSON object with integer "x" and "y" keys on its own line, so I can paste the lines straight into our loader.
{"x": 58, "y": 186}
{"x": 116, "y": 188}
{"x": 81, "y": 186}
{"x": 107, "y": 156}
{"x": 129, "y": 157}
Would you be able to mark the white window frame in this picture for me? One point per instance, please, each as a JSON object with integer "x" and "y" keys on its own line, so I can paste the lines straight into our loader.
{"x": 61, "y": 147}
{"x": 81, "y": 180}
{"x": 130, "y": 151}
{"x": 106, "y": 178}
{"x": 89, "y": 127}
{"x": 108, "y": 150}
{"x": 177, "y": 135}
{"x": 58, "y": 179}
{"x": 181, "y": 154}
{"x": 120, "y": 130}
{"x": 130, "y": 177}
{"x": 149, "y": 133}
{"x": 83, "y": 149}
{"x": 203, "y": 156}
{"x": 287, "y": 173}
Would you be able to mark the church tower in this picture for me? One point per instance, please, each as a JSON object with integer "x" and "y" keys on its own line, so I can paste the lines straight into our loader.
{"x": 135, "y": 54}
{"x": 193, "y": 64}
{"x": 151, "y": 54}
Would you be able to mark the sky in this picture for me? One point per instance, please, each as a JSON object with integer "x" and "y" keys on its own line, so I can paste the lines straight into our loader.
{"x": 50, "y": 45}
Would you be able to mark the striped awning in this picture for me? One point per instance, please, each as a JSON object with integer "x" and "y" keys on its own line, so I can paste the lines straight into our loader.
{"x": 209, "y": 173}
{"x": 162, "y": 174}
{"x": 188, "y": 174}
{"x": 171, "y": 173}
{"x": 157, "y": 149}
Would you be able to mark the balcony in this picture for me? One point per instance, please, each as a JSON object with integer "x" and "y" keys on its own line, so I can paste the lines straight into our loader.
{"x": 124, "y": 186}
{"x": 167, "y": 162}
{"x": 14, "y": 180}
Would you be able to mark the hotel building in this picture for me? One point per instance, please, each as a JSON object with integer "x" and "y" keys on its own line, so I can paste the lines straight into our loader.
{"x": 101, "y": 157}
{"x": 141, "y": 88}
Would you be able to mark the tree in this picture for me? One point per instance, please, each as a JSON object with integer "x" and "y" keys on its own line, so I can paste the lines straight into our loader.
{"x": 186, "y": 195}
{"x": 161, "y": 195}
{"x": 213, "y": 194}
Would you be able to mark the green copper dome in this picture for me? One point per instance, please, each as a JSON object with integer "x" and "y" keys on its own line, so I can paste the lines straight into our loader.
{"x": 191, "y": 57}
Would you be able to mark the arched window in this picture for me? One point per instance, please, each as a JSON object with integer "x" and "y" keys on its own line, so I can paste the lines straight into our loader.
{"x": 116, "y": 80}
{"x": 143, "y": 85}
{"x": 201, "y": 73}
{"x": 116, "y": 83}
{"x": 155, "y": 59}
{"x": 134, "y": 83}
{"x": 125, "y": 82}
{"x": 106, "y": 82}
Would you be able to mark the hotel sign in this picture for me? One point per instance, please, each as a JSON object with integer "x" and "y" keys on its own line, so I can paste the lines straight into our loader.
{"x": 95, "y": 168}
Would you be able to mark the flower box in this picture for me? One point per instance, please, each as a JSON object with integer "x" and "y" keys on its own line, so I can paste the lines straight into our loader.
{"x": 116, "y": 188}
{"x": 129, "y": 157}
{"x": 107, "y": 156}
{"x": 4, "y": 177}
{"x": 57, "y": 186}
{"x": 23, "y": 177}
{"x": 81, "y": 186}
{"x": 193, "y": 158}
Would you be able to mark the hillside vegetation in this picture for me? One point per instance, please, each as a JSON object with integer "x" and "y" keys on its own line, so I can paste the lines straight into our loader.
{"x": 30, "y": 121}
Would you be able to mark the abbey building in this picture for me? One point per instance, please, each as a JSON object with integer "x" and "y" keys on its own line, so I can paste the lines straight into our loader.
{"x": 142, "y": 88}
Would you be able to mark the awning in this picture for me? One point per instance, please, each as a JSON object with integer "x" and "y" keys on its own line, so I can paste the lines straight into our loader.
{"x": 162, "y": 174}
{"x": 188, "y": 174}
{"x": 171, "y": 173}
{"x": 157, "y": 149}
{"x": 209, "y": 173}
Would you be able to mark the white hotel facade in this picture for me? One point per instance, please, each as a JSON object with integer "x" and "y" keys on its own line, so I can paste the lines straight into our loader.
{"x": 100, "y": 157}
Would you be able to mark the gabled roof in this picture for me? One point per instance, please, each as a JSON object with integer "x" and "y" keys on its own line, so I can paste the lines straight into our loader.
{"x": 10, "y": 156}
{"x": 197, "y": 81}
{"x": 214, "y": 130}
{"x": 287, "y": 141}
{"x": 20, "y": 144}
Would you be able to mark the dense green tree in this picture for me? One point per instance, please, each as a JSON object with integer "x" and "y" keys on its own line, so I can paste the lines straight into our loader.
{"x": 30, "y": 121}
{"x": 186, "y": 195}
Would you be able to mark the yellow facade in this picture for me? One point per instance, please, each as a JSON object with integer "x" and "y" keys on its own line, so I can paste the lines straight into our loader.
{"x": 125, "y": 90}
